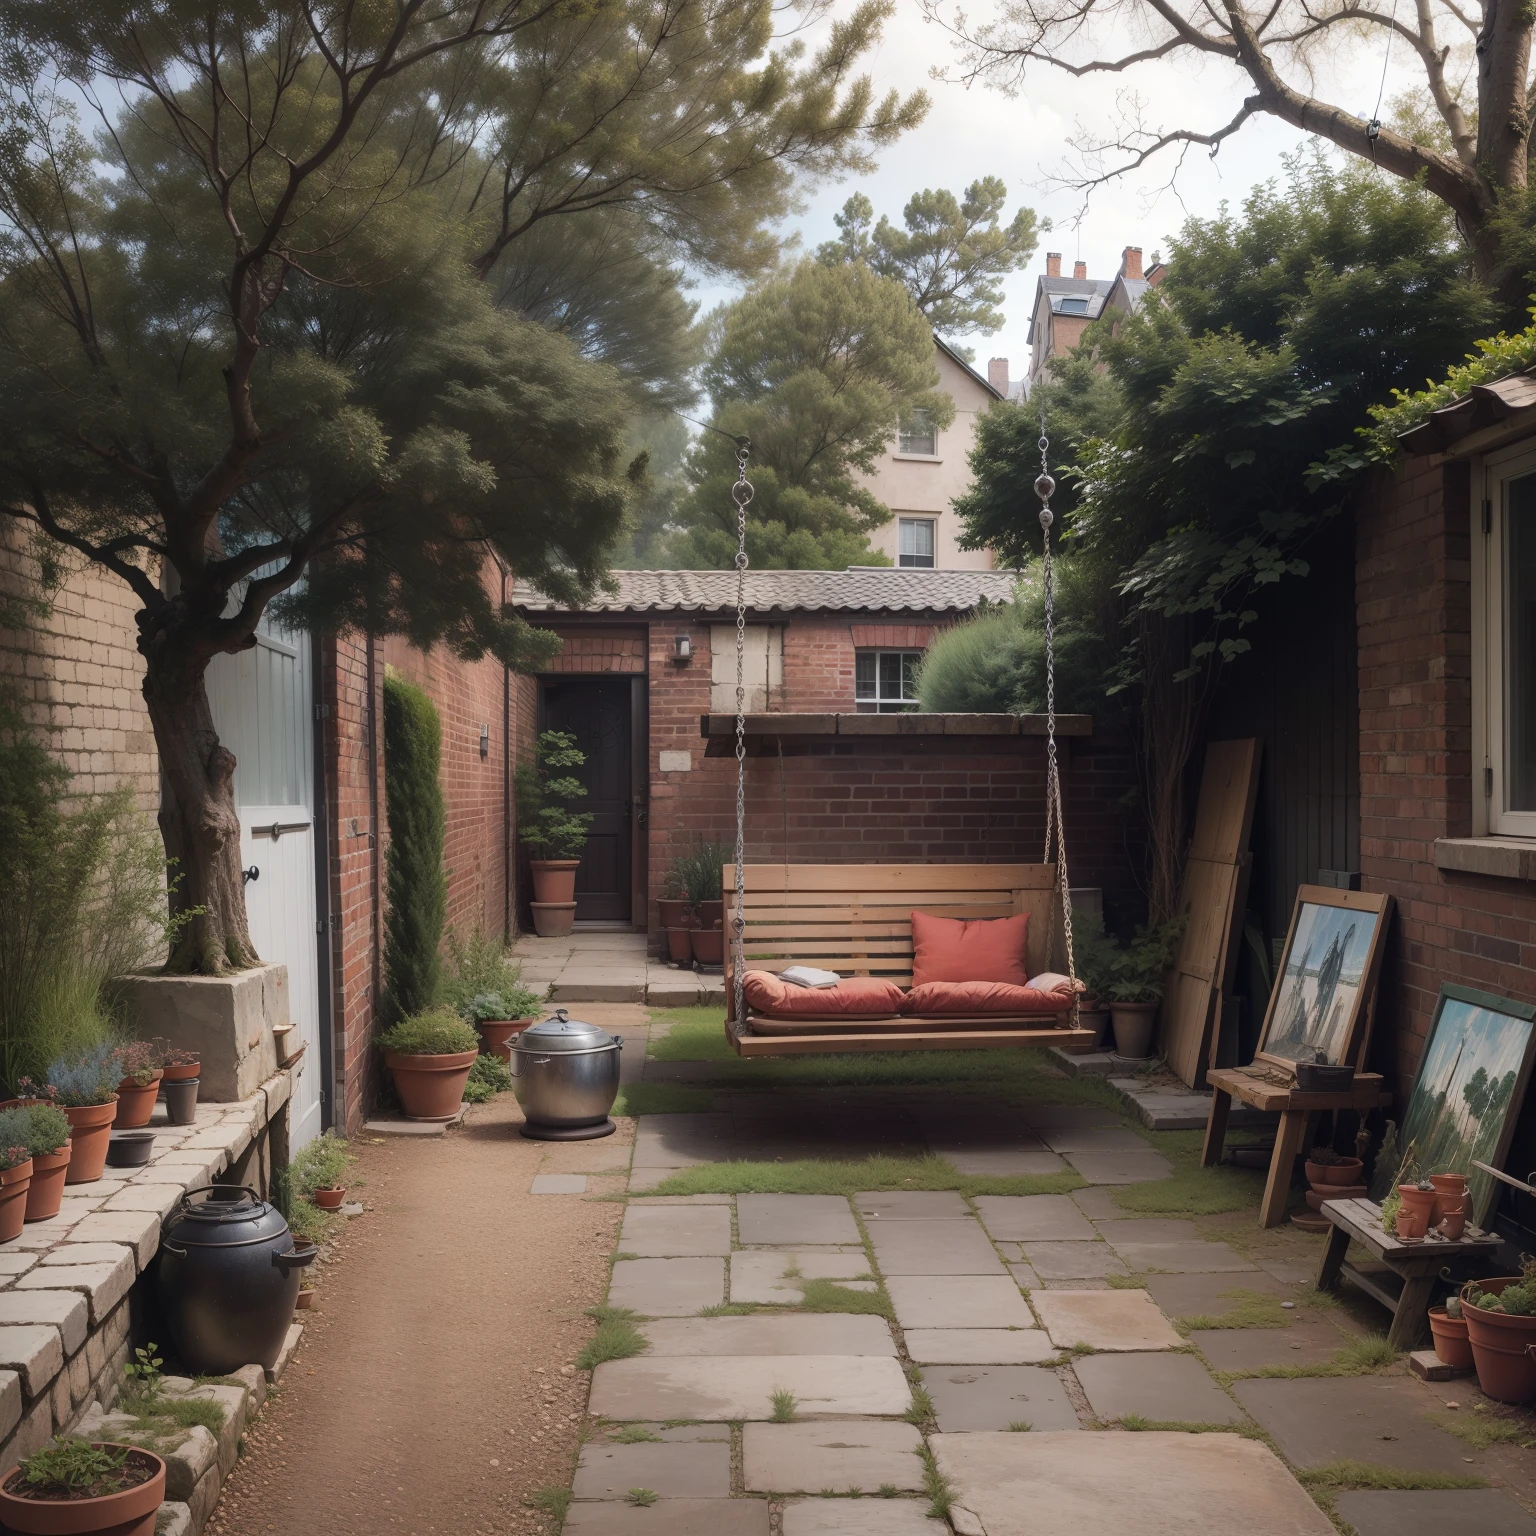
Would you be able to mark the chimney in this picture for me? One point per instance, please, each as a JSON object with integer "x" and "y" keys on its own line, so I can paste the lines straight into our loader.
{"x": 1053, "y": 263}
{"x": 1130, "y": 262}
{"x": 997, "y": 375}
{"x": 1079, "y": 269}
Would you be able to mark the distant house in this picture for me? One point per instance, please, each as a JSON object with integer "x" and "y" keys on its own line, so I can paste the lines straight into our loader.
{"x": 925, "y": 469}
{"x": 1066, "y": 306}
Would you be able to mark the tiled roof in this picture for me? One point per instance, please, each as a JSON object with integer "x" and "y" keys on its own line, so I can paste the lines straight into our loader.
{"x": 1094, "y": 289}
{"x": 870, "y": 589}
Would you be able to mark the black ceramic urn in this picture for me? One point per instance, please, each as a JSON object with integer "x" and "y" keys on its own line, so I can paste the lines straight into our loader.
{"x": 229, "y": 1278}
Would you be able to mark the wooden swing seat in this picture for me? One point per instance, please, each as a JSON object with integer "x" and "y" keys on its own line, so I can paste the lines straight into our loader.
{"x": 856, "y": 919}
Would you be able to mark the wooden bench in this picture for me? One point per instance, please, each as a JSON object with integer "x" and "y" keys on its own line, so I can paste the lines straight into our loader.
{"x": 856, "y": 919}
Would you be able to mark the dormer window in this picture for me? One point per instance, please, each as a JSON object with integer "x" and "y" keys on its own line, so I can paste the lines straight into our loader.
{"x": 1074, "y": 306}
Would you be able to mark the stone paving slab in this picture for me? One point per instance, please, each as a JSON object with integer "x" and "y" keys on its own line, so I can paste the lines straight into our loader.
{"x": 1311, "y": 1341}
{"x": 795, "y": 1219}
{"x": 1039, "y": 1218}
{"x": 1185, "y": 1258}
{"x": 759, "y": 1276}
{"x": 1434, "y": 1512}
{"x": 728, "y": 1387}
{"x": 1121, "y": 1167}
{"x": 978, "y": 1346}
{"x": 1148, "y": 1229}
{"x": 1025, "y": 1277}
{"x": 672, "y": 1517}
{"x": 700, "y": 1470}
{"x": 1070, "y": 1139}
{"x": 1097, "y": 1203}
{"x": 959, "y": 1301}
{"x": 680, "y": 1141}
{"x": 860, "y": 1517}
{"x": 913, "y": 1205}
{"x": 1376, "y": 1419}
{"x": 1152, "y": 1484}
{"x": 1073, "y": 1261}
{"x": 1104, "y": 1320}
{"x": 1161, "y": 1387}
{"x": 1211, "y": 1295}
{"x": 837, "y": 1455}
{"x": 676, "y": 1231}
{"x": 933, "y": 1248}
{"x": 981, "y": 1397}
{"x": 667, "y": 1287}
{"x": 805, "y": 1333}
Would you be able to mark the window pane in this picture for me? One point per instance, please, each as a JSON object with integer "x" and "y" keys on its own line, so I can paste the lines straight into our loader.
{"x": 917, "y": 435}
{"x": 890, "y": 674}
{"x": 1520, "y": 645}
{"x": 909, "y": 661}
{"x": 864, "y": 674}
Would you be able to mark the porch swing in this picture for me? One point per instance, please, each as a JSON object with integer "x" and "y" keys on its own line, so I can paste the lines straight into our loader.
{"x": 888, "y": 929}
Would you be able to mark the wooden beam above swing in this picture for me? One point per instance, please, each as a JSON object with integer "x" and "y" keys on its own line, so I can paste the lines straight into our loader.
{"x": 719, "y": 731}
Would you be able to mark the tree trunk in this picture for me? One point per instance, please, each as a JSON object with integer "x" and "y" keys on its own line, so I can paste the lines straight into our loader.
{"x": 198, "y": 820}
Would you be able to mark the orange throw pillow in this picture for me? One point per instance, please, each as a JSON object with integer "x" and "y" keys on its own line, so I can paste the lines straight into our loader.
{"x": 969, "y": 949}
{"x": 935, "y": 999}
{"x": 858, "y": 997}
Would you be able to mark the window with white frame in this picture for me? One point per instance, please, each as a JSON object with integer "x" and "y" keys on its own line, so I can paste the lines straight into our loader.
{"x": 917, "y": 435}
{"x": 885, "y": 682}
{"x": 915, "y": 542}
{"x": 1504, "y": 644}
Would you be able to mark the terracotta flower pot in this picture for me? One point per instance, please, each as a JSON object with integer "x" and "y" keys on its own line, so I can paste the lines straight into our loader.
{"x": 46, "y": 1190}
{"x": 430, "y": 1087}
{"x": 680, "y": 946}
{"x": 708, "y": 945}
{"x": 672, "y": 914}
{"x": 1450, "y": 1335}
{"x": 496, "y": 1036}
{"x": 1412, "y": 1222}
{"x": 14, "y": 1183}
{"x": 553, "y": 919}
{"x": 1505, "y": 1370}
{"x": 136, "y": 1102}
{"x": 1449, "y": 1188}
{"x": 1346, "y": 1172}
{"x": 1453, "y": 1225}
{"x": 330, "y": 1199}
{"x": 304, "y": 1300}
{"x": 181, "y": 1071}
{"x": 90, "y": 1132}
{"x": 711, "y": 914}
{"x": 1133, "y": 1028}
{"x": 554, "y": 880}
{"x": 130, "y": 1512}
{"x": 1416, "y": 1199}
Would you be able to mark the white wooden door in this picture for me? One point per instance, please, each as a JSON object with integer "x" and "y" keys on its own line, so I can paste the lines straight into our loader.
{"x": 263, "y": 709}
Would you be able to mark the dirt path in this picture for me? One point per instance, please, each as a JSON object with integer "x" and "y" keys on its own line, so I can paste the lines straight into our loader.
{"x": 429, "y": 1395}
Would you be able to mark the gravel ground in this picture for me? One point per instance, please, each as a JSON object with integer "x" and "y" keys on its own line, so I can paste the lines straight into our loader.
{"x": 433, "y": 1391}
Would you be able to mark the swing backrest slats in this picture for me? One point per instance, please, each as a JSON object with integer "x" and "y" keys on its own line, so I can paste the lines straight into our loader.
{"x": 856, "y": 919}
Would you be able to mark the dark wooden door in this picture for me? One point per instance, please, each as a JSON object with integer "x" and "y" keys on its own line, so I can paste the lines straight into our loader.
{"x": 596, "y": 711}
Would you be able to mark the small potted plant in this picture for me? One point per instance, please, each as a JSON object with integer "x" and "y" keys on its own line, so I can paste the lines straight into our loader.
{"x": 1501, "y": 1328}
{"x": 1136, "y": 976}
{"x": 84, "y": 1086}
{"x": 1449, "y": 1330}
{"x": 552, "y": 831}
{"x": 1416, "y": 1204}
{"x": 1326, "y": 1167}
{"x": 497, "y": 1016}
{"x": 429, "y": 1055}
{"x": 306, "y": 1297}
{"x": 180, "y": 1081}
{"x": 701, "y": 872}
{"x": 139, "y": 1062}
{"x": 15, "y": 1173}
{"x": 46, "y": 1133}
{"x": 318, "y": 1171}
{"x": 85, "y": 1488}
{"x": 676, "y": 915}
{"x": 1093, "y": 953}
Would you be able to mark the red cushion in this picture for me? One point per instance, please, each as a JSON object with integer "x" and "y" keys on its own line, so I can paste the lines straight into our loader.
{"x": 934, "y": 999}
{"x": 857, "y": 997}
{"x": 974, "y": 949}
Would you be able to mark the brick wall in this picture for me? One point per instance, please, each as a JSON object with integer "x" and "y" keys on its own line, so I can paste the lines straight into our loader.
{"x": 1413, "y": 597}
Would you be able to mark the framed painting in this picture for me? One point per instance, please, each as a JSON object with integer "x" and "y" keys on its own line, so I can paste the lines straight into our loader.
{"x": 1471, "y": 1083}
{"x": 1325, "y": 995}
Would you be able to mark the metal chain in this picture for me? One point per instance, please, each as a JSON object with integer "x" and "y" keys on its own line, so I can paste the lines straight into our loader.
{"x": 741, "y": 493}
{"x": 1055, "y": 829}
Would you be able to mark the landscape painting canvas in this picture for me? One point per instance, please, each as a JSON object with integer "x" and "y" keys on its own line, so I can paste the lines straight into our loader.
{"x": 1321, "y": 988}
{"x": 1470, "y": 1085}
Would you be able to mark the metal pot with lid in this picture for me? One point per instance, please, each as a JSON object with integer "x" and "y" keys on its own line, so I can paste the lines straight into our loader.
{"x": 565, "y": 1073}
{"x": 228, "y": 1279}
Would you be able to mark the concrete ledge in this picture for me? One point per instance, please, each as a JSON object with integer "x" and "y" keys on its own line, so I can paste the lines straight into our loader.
{"x": 1505, "y": 858}
{"x": 1162, "y": 1108}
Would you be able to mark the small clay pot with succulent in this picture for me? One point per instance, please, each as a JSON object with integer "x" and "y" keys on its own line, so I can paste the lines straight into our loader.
{"x": 318, "y": 1172}
{"x": 85, "y": 1488}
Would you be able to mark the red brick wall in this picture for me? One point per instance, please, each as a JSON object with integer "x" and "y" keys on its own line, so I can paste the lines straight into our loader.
{"x": 1413, "y": 596}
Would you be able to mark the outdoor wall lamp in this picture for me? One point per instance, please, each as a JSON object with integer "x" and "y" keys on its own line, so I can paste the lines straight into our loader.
{"x": 682, "y": 649}
{"x": 485, "y": 741}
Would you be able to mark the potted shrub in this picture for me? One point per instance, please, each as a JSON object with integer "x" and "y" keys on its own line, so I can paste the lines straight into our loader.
{"x": 699, "y": 871}
{"x": 139, "y": 1087}
{"x": 1326, "y": 1167}
{"x": 497, "y": 1016}
{"x": 84, "y": 1488}
{"x": 46, "y": 1133}
{"x": 1501, "y": 1327}
{"x": 1449, "y": 1330}
{"x": 15, "y": 1174}
{"x": 1136, "y": 976}
{"x": 318, "y": 1172}
{"x": 85, "y": 1088}
{"x": 429, "y": 1055}
{"x": 1093, "y": 953}
{"x": 552, "y": 831}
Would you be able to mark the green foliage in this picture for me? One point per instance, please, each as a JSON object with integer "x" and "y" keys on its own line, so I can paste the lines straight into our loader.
{"x": 1190, "y": 1190}
{"x": 1137, "y": 972}
{"x": 1481, "y": 1429}
{"x": 477, "y": 966}
{"x": 166, "y": 1417}
{"x": 437, "y": 1032}
{"x": 323, "y": 1163}
{"x": 636, "y": 1434}
{"x": 89, "y": 1076}
{"x": 417, "y": 883}
{"x": 816, "y": 1177}
{"x": 489, "y": 1076}
{"x": 308, "y": 1223}
{"x": 662, "y": 1099}
{"x": 546, "y": 792}
{"x": 69, "y": 1467}
{"x": 822, "y": 1295}
{"x": 1094, "y": 953}
{"x": 141, "y": 1375}
{"x": 697, "y": 872}
{"x": 784, "y": 1405}
{"x": 616, "y": 1338}
{"x": 818, "y": 366}
{"x": 951, "y": 257}
{"x": 641, "y": 1498}
{"x": 13, "y": 1150}
{"x": 33, "y": 1129}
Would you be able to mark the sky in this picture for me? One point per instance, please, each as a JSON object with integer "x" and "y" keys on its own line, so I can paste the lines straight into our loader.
{"x": 975, "y": 131}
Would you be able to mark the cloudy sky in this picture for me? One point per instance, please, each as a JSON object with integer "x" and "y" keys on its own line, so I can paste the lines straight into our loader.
{"x": 977, "y": 131}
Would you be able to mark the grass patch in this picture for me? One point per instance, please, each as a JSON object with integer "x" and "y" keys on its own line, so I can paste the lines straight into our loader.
{"x": 616, "y": 1338}
{"x": 828, "y": 1296}
{"x": 662, "y": 1099}
{"x": 1137, "y": 1423}
{"x": 940, "y": 1491}
{"x": 1020, "y": 1427}
{"x": 783, "y": 1401}
{"x": 1253, "y": 1310}
{"x": 1190, "y": 1190}
{"x": 552, "y": 1500}
{"x": 640, "y": 1497}
{"x": 1325, "y": 1483}
{"x": 635, "y": 1434}
{"x": 1360, "y": 1357}
{"x": 922, "y": 1410}
{"x": 735, "y": 1309}
{"x": 161, "y": 1416}
{"x": 1137, "y": 1281}
{"x": 1480, "y": 1430}
{"x": 816, "y": 1176}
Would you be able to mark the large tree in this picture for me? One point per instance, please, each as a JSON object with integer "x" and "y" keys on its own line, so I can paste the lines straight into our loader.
{"x": 1471, "y": 147}
{"x": 817, "y": 368}
{"x": 248, "y": 349}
